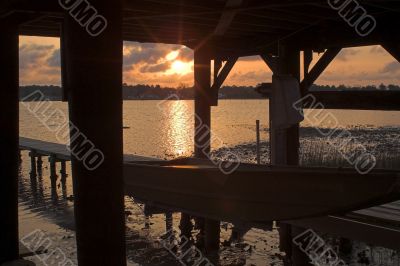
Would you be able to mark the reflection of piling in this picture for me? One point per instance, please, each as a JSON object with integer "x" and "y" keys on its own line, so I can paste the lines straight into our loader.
{"x": 32, "y": 155}
{"x": 258, "y": 141}
{"x": 63, "y": 172}
{"x": 39, "y": 163}
{"x": 212, "y": 235}
{"x": 53, "y": 171}
{"x": 168, "y": 221}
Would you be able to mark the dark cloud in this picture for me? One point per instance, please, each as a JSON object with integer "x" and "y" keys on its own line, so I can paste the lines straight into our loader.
{"x": 346, "y": 53}
{"x": 392, "y": 67}
{"x": 250, "y": 58}
{"x": 31, "y": 55}
{"x": 377, "y": 49}
{"x": 155, "y": 68}
{"x": 55, "y": 59}
{"x": 149, "y": 53}
{"x": 185, "y": 54}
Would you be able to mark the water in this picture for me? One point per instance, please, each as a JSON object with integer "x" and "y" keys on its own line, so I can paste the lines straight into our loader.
{"x": 165, "y": 130}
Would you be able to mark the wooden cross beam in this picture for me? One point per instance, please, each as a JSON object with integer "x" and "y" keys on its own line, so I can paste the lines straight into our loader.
{"x": 220, "y": 77}
{"x": 227, "y": 17}
{"x": 393, "y": 49}
{"x": 271, "y": 62}
{"x": 318, "y": 69}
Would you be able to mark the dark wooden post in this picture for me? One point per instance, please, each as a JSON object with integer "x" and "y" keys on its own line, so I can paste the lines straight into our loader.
{"x": 202, "y": 102}
{"x": 285, "y": 145}
{"x": 9, "y": 152}
{"x": 202, "y": 141}
{"x": 32, "y": 155}
{"x": 94, "y": 72}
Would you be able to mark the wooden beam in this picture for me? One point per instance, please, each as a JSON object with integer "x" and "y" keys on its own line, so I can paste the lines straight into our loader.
{"x": 221, "y": 79}
{"x": 202, "y": 102}
{"x": 94, "y": 67}
{"x": 318, "y": 69}
{"x": 227, "y": 17}
{"x": 393, "y": 48}
{"x": 271, "y": 61}
{"x": 9, "y": 136}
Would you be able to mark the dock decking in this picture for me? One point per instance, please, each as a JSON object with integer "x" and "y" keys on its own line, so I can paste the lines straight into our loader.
{"x": 378, "y": 225}
{"x": 60, "y": 151}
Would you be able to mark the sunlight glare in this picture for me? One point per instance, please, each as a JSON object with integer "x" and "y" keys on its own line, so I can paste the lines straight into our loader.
{"x": 180, "y": 67}
{"x": 172, "y": 55}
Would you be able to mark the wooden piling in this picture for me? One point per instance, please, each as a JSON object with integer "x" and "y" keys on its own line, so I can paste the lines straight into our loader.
{"x": 9, "y": 133}
{"x": 202, "y": 102}
{"x": 285, "y": 145}
{"x": 94, "y": 72}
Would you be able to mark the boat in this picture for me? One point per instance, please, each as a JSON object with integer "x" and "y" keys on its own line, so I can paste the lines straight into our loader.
{"x": 257, "y": 193}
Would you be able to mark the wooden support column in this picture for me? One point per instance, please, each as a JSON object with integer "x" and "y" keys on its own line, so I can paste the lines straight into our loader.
{"x": 285, "y": 142}
{"x": 203, "y": 102}
{"x": 285, "y": 147}
{"x": 9, "y": 152}
{"x": 94, "y": 67}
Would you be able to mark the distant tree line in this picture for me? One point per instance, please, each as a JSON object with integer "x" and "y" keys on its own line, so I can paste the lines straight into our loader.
{"x": 156, "y": 92}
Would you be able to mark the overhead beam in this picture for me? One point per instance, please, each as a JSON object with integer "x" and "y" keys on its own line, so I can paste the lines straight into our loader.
{"x": 318, "y": 69}
{"x": 220, "y": 79}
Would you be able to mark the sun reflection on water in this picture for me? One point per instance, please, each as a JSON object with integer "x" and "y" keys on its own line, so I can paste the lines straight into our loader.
{"x": 180, "y": 128}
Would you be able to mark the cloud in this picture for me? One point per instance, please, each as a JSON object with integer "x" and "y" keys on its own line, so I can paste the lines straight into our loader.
{"x": 377, "y": 49}
{"x": 38, "y": 64}
{"x": 162, "y": 67}
{"x": 250, "y": 58}
{"x": 185, "y": 54}
{"x": 33, "y": 54}
{"x": 392, "y": 67}
{"x": 345, "y": 53}
{"x": 55, "y": 59}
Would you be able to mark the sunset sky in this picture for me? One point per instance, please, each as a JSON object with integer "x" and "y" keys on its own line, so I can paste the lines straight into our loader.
{"x": 172, "y": 65}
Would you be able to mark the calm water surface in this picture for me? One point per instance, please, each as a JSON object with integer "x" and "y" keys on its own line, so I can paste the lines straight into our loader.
{"x": 165, "y": 130}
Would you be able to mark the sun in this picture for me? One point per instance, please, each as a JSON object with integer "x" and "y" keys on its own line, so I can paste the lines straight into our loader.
{"x": 179, "y": 67}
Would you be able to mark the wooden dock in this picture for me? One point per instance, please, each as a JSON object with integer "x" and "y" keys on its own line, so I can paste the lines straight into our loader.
{"x": 379, "y": 225}
{"x": 60, "y": 151}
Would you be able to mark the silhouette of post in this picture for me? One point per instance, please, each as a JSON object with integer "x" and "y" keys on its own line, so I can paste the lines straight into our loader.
{"x": 202, "y": 78}
{"x": 9, "y": 152}
{"x": 285, "y": 147}
{"x": 94, "y": 72}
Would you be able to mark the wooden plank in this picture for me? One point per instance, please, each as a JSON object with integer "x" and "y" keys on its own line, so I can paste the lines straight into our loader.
{"x": 61, "y": 152}
{"x": 379, "y": 234}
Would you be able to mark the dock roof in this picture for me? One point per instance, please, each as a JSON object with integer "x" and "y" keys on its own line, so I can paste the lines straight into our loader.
{"x": 231, "y": 27}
